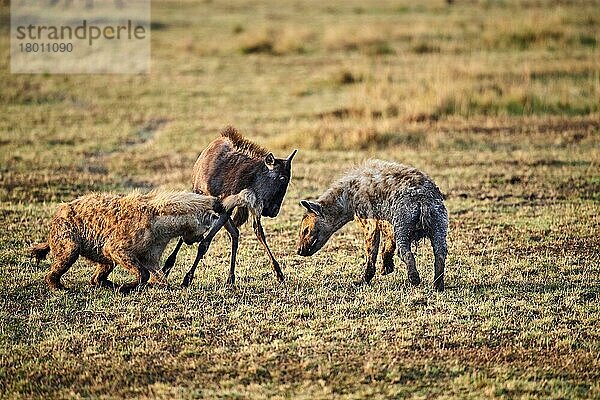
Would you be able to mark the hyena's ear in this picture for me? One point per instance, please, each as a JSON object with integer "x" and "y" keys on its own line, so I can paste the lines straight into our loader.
{"x": 312, "y": 207}
{"x": 270, "y": 160}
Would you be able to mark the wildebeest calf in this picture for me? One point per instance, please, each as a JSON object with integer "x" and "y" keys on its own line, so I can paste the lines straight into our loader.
{"x": 230, "y": 164}
{"x": 130, "y": 230}
{"x": 384, "y": 196}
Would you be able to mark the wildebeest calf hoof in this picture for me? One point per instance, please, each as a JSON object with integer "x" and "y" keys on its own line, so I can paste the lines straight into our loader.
{"x": 187, "y": 281}
{"x": 230, "y": 280}
{"x": 360, "y": 282}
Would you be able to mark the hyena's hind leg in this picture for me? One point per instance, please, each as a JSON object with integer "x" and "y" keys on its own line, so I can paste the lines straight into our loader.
{"x": 389, "y": 247}
{"x": 404, "y": 228}
{"x": 131, "y": 264}
{"x": 65, "y": 246}
{"x": 100, "y": 277}
{"x": 440, "y": 251}
{"x": 370, "y": 229}
{"x": 409, "y": 259}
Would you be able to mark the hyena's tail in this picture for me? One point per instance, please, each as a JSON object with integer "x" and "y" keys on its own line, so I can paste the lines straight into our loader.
{"x": 39, "y": 251}
{"x": 433, "y": 218}
{"x": 424, "y": 217}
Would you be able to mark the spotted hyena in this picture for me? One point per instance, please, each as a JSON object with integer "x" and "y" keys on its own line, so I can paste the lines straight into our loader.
{"x": 399, "y": 202}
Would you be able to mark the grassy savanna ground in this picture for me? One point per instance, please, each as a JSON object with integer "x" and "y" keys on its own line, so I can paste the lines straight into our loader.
{"x": 497, "y": 101}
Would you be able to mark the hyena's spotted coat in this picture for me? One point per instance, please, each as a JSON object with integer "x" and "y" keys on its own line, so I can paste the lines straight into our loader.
{"x": 399, "y": 201}
{"x": 131, "y": 231}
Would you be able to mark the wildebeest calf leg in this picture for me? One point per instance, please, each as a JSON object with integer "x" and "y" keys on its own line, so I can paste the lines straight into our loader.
{"x": 371, "y": 232}
{"x": 203, "y": 247}
{"x": 260, "y": 234}
{"x": 234, "y": 235}
{"x": 187, "y": 279}
{"x": 100, "y": 277}
{"x": 170, "y": 262}
{"x": 388, "y": 248}
{"x": 440, "y": 251}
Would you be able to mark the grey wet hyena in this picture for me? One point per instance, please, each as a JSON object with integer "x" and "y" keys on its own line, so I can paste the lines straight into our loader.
{"x": 399, "y": 201}
{"x": 131, "y": 231}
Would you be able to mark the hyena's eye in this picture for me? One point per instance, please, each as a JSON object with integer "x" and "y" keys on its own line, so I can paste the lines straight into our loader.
{"x": 305, "y": 231}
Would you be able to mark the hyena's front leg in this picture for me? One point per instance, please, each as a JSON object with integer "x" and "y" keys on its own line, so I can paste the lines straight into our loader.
{"x": 388, "y": 248}
{"x": 371, "y": 231}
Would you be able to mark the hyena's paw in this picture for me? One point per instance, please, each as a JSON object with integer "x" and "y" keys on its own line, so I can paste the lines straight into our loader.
{"x": 105, "y": 284}
{"x": 128, "y": 288}
{"x": 54, "y": 283}
{"x": 387, "y": 269}
{"x": 360, "y": 282}
{"x": 414, "y": 278}
{"x": 157, "y": 279}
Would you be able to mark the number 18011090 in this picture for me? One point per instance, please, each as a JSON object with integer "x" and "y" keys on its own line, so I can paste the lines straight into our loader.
{"x": 46, "y": 47}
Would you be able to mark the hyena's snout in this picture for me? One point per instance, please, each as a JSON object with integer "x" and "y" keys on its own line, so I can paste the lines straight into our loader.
{"x": 308, "y": 246}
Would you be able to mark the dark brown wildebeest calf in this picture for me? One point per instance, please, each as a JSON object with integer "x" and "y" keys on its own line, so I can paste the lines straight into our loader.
{"x": 230, "y": 164}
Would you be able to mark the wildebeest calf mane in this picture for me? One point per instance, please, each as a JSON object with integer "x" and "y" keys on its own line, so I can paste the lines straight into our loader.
{"x": 242, "y": 144}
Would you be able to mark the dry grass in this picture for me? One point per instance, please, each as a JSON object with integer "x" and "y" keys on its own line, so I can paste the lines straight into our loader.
{"x": 287, "y": 40}
{"x": 497, "y": 101}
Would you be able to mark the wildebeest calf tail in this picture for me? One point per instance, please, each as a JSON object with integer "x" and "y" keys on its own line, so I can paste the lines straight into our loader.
{"x": 39, "y": 251}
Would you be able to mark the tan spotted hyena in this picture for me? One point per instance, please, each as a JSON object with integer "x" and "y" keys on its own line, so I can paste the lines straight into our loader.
{"x": 129, "y": 230}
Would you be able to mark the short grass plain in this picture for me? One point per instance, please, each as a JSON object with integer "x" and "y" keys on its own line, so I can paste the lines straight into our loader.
{"x": 498, "y": 101}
